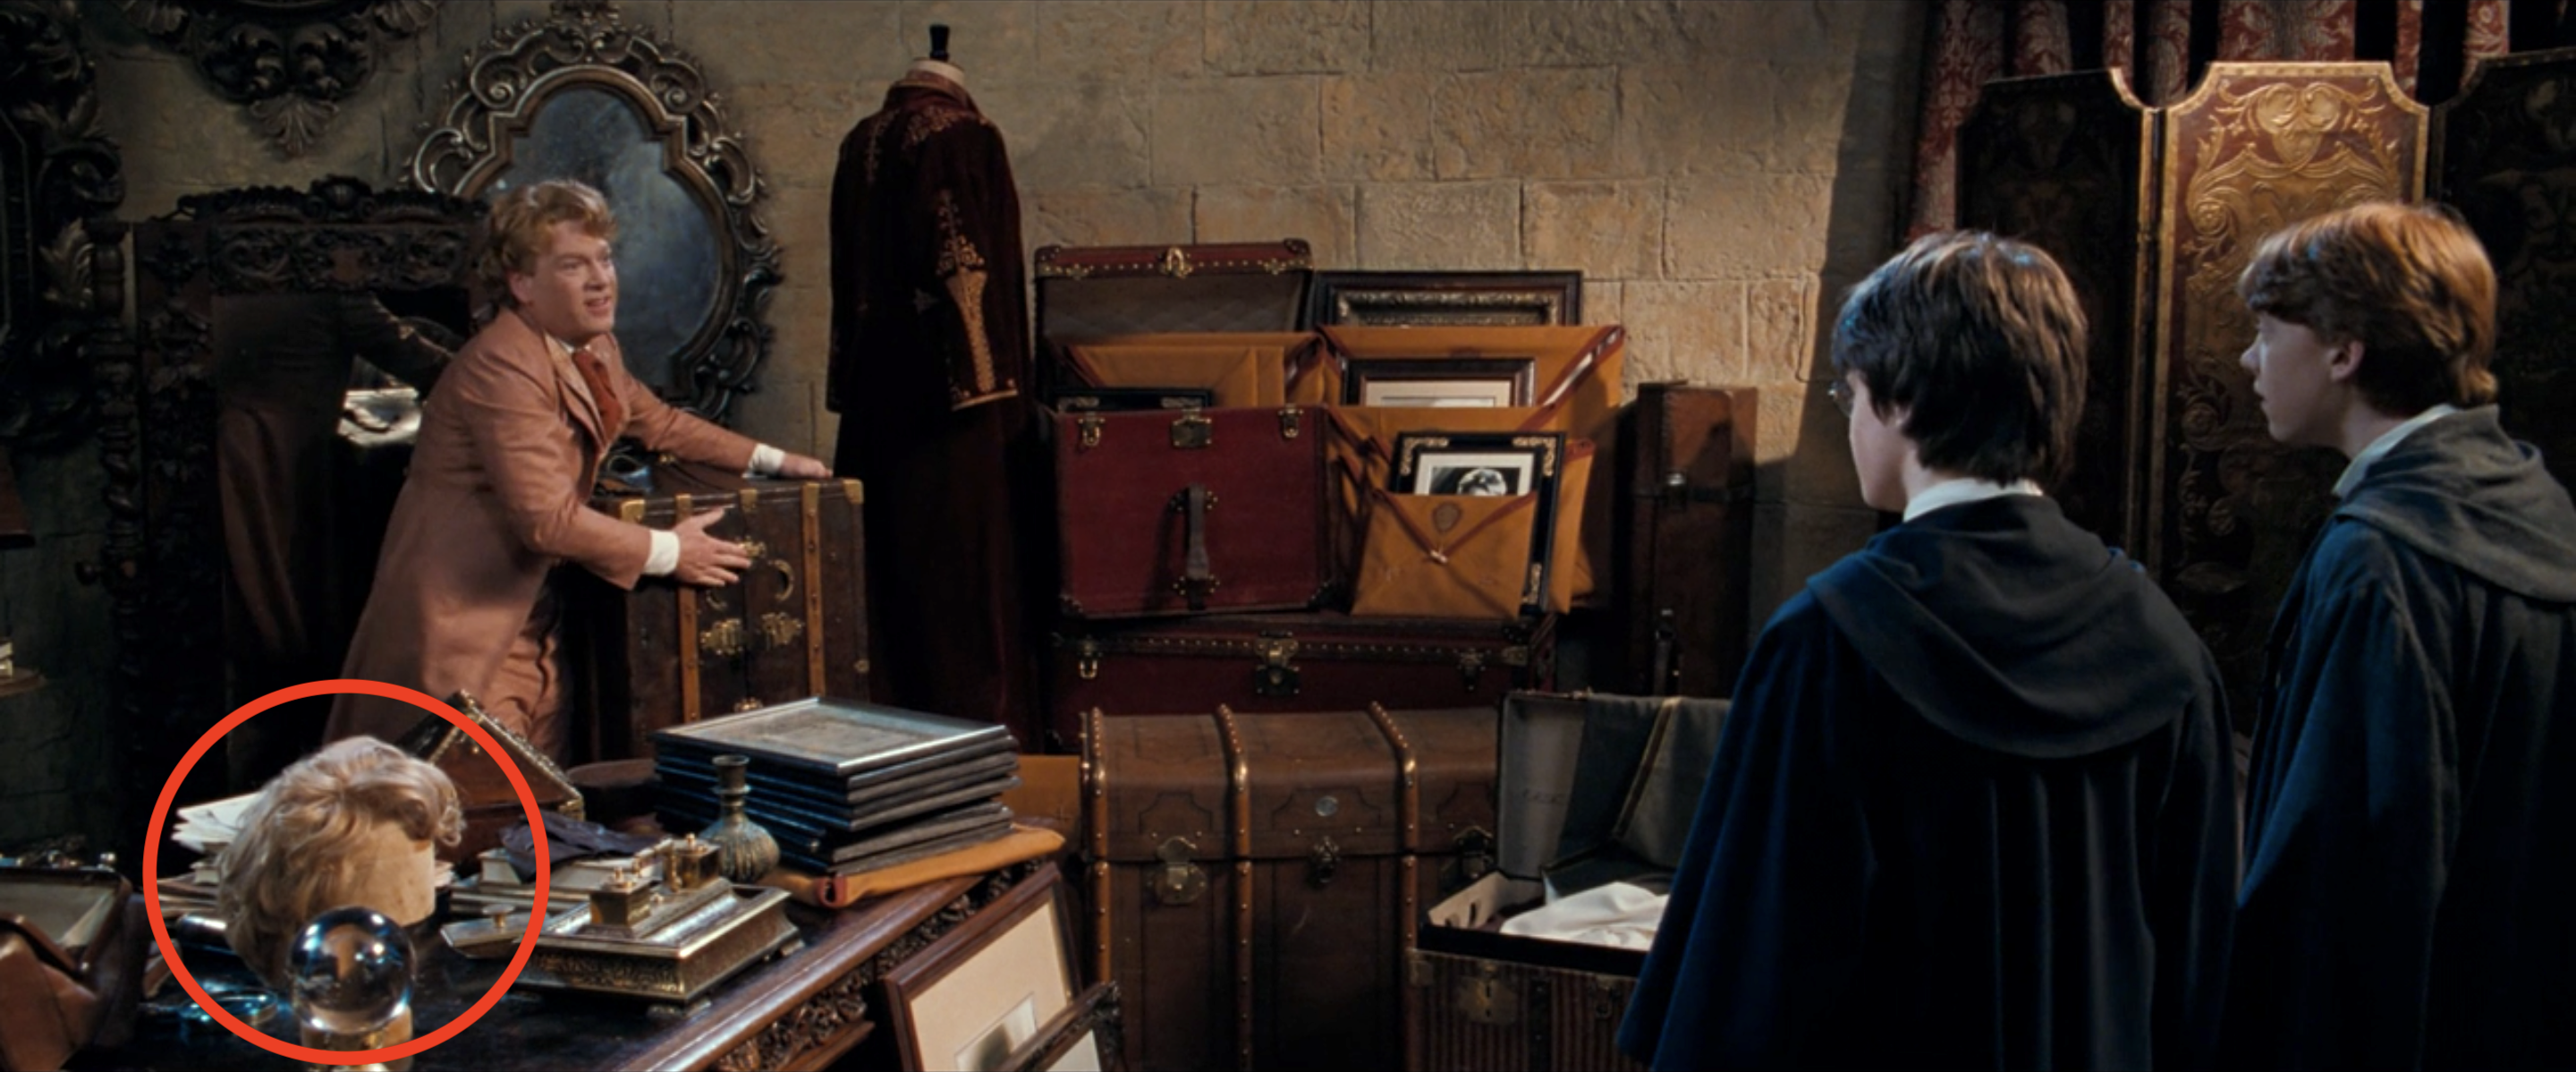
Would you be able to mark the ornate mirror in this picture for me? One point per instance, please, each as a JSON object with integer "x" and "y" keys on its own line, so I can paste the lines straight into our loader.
{"x": 582, "y": 95}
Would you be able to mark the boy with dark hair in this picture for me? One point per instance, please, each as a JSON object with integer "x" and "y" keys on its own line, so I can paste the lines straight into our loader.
{"x": 2409, "y": 879}
{"x": 1974, "y": 804}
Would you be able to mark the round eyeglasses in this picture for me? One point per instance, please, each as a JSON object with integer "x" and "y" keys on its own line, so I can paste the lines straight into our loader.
{"x": 1841, "y": 392}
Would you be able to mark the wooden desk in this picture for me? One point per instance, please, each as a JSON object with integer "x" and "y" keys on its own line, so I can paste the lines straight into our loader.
{"x": 802, "y": 1010}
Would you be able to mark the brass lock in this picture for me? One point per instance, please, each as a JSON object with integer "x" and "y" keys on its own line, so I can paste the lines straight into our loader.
{"x": 1292, "y": 422}
{"x": 1090, "y": 423}
{"x": 723, "y": 640}
{"x": 781, "y": 630}
{"x": 1474, "y": 849}
{"x": 1192, "y": 431}
{"x": 1178, "y": 881}
{"x": 1276, "y": 675}
{"x": 1086, "y": 659}
{"x": 1487, "y": 999}
{"x": 1323, "y": 861}
{"x": 1471, "y": 668}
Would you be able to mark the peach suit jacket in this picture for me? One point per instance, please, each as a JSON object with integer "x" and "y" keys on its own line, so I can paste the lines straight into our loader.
{"x": 496, "y": 496}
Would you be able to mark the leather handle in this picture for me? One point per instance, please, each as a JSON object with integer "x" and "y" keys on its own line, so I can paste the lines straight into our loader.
{"x": 1196, "y": 575}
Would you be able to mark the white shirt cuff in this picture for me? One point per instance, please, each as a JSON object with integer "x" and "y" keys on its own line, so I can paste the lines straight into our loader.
{"x": 766, "y": 459}
{"x": 665, "y": 555}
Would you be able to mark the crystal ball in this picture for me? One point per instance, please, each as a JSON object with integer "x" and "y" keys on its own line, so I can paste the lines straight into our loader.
{"x": 350, "y": 970}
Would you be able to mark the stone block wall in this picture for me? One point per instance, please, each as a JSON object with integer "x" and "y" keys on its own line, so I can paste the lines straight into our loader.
{"x": 1719, "y": 171}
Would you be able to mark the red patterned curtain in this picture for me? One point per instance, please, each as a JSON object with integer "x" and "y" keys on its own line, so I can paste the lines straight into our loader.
{"x": 2164, "y": 45}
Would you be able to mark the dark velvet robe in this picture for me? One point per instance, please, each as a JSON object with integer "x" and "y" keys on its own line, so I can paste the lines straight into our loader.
{"x": 930, "y": 346}
{"x": 1974, "y": 807}
{"x": 2410, "y": 889}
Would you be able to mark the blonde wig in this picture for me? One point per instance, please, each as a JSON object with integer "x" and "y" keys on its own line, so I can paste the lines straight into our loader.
{"x": 300, "y": 842}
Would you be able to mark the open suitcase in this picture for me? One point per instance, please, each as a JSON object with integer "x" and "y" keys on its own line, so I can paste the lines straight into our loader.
{"x": 1591, "y": 788}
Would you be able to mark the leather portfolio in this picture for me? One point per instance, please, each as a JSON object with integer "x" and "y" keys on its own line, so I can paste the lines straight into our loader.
{"x": 1322, "y": 661}
{"x": 1574, "y": 388}
{"x": 1236, "y": 368}
{"x": 793, "y": 625}
{"x": 1448, "y": 556}
{"x": 1253, "y": 880}
{"x": 1195, "y": 511}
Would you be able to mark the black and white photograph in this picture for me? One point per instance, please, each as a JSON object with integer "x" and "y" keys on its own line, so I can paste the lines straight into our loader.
{"x": 1439, "y": 383}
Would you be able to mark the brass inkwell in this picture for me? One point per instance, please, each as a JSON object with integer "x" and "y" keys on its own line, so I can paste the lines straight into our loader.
{"x": 667, "y": 940}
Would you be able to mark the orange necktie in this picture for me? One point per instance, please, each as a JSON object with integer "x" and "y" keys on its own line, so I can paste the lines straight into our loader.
{"x": 612, "y": 411}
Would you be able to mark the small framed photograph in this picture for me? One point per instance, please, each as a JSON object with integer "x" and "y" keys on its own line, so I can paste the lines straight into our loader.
{"x": 1439, "y": 383}
{"x": 1489, "y": 463}
{"x": 986, "y": 991}
{"x": 1446, "y": 299}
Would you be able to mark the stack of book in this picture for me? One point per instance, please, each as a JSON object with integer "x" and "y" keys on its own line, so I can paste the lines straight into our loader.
{"x": 845, "y": 787}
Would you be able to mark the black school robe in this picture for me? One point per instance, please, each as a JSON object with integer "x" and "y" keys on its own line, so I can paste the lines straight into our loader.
{"x": 1974, "y": 807}
{"x": 929, "y": 349}
{"x": 2410, "y": 888}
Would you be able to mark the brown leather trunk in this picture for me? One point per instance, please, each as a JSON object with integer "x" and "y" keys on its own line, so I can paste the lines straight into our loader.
{"x": 1282, "y": 663}
{"x": 1175, "y": 513}
{"x": 1684, "y": 530}
{"x": 1253, "y": 880}
{"x": 794, "y": 625}
{"x": 1126, "y": 290}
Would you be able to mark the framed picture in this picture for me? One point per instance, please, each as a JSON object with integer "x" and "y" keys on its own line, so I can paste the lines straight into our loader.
{"x": 1078, "y": 1038}
{"x": 989, "y": 988}
{"x": 1489, "y": 463}
{"x": 1481, "y": 299}
{"x": 1439, "y": 383}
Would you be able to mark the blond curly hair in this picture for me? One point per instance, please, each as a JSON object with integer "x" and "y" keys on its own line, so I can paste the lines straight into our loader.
{"x": 295, "y": 857}
{"x": 516, "y": 236}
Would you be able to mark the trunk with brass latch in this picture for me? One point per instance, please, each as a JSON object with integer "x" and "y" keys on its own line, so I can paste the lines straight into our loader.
{"x": 1279, "y": 663}
{"x": 793, "y": 625}
{"x": 1253, "y": 880}
{"x": 1684, "y": 529}
{"x": 1180, "y": 513}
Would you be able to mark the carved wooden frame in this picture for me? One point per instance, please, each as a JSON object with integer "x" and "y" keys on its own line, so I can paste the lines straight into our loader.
{"x": 1445, "y": 298}
{"x": 162, "y": 559}
{"x": 909, "y": 980}
{"x": 585, "y": 43}
{"x": 57, "y": 283}
{"x": 290, "y": 62}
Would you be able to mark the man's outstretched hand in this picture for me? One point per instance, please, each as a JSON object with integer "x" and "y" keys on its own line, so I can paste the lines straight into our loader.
{"x": 705, "y": 560}
{"x": 803, "y": 468}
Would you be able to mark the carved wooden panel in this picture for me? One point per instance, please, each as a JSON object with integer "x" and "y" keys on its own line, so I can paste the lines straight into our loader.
{"x": 2062, "y": 162}
{"x": 164, "y": 553}
{"x": 56, "y": 168}
{"x": 2257, "y": 147}
{"x": 2504, "y": 153}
